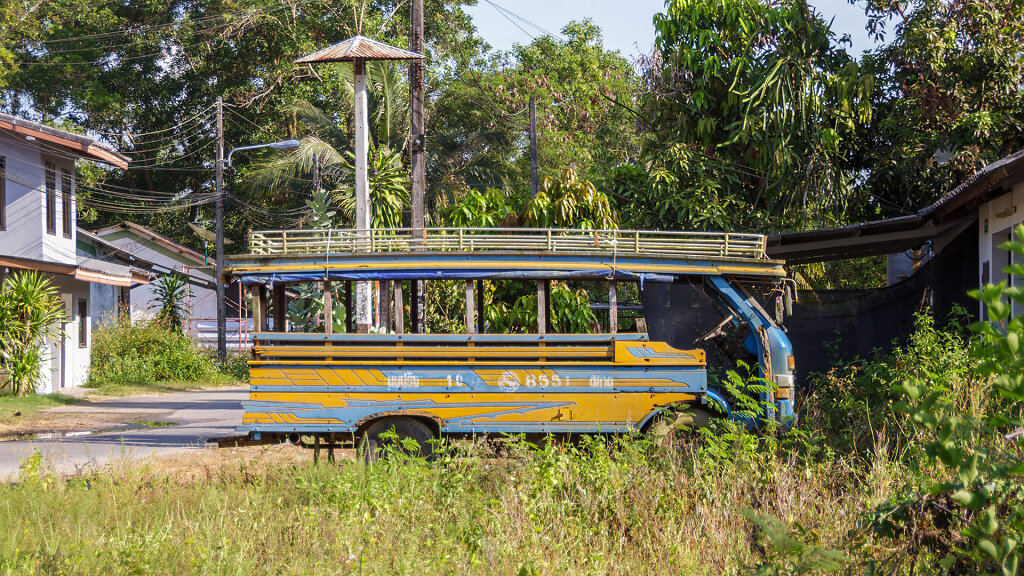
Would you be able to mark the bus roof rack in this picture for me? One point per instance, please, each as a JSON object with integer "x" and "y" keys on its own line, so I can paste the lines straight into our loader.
{"x": 545, "y": 240}
{"x": 499, "y": 253}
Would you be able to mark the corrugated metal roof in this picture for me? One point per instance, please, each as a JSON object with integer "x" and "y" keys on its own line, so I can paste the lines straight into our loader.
{"x": 359, "y": 48}
{"x": 82, "y": 146}
{"x": 977, "y": 183}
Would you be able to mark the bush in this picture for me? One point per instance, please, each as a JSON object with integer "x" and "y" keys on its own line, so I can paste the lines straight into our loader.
{"x": 141, "y": 352}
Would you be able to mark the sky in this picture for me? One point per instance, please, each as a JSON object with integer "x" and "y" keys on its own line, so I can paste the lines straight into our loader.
{"x": 627, "y": 26}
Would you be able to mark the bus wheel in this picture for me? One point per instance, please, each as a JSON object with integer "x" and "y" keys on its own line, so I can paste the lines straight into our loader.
{"x": 672, "y": 425}
{"x": 376, "y": 438}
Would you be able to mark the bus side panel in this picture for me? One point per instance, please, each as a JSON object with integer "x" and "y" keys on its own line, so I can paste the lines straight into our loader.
{"x": 484, "y": 399}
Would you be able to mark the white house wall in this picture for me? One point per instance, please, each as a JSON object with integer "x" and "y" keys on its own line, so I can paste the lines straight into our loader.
{"x": 996, "y": 220}
{"x": 68, "y": 363}
{"x": 25, "y": 234}
{"x": 26, "y": 222}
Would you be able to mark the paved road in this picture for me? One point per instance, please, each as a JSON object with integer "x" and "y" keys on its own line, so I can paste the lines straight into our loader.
{"x": 199, "y": 415}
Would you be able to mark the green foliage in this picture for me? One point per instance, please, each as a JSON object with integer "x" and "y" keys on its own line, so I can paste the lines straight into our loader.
{"x": 31, "y": 312}
{"x": 170, "y": 292}
{"x": 753, "y": 102}
{"x": 490, "y": 208}
{"x": 583, "y": 98}
{"x": 568, "y": 202}
{"x": 570, "y": 312}
{"x": 948, "y": 96}
{"x": 787, "y": 553}
{"x": 143, "y": 352}
{"x": 970, "y": 487}
{"x": 854, "y": 402}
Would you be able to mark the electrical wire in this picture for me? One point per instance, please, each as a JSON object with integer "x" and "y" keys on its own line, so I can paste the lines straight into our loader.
{"x": 524, "y": 20}
{"x": 150, "y": 27}
{"x": 199, "y": 114}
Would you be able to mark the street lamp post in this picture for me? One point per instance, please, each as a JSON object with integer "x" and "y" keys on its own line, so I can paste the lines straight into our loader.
{"x": 222, "y": 309}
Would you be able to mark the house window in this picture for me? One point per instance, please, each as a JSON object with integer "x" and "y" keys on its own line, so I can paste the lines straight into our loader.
{"x": 83, "y": 323}
{"x": 51, "y": 198}
{"x": 3, "y": 193}
{"x": 66, "y": 189}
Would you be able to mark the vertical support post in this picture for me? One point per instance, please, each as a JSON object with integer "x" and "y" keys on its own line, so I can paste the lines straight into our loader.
{"x": 348, "y": 306}
{"x": 328, "y": 308}
{"x": 415, "y": 302}
{"x": 613, "y": 307}
{"x": 364, "y": 294}
{"x": 280, "y": 307}
{"x": 470, "y": 304}
{"x": 384, "y": 305}
{"x": 417, "y": 160}
{"x": 399, "y": 309}
{"x": 480, "y": 327}
{"x": 547, "y": 307}
{"x": 534, "y": 183}
{"x": 316, "y": 173}
{"x": 242, "y": 316}
{"x": 260, "y": 313}
{"x": 542, "y": 306}
{"x": 222, "y": 310}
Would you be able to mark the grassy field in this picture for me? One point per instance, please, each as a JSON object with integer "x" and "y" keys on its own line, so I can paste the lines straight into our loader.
{"x": 895, "y": 468}
{"x": 599, "y": 507}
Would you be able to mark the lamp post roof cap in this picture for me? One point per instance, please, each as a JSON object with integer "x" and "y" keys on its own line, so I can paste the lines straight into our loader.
{"x": 358, "y": 48}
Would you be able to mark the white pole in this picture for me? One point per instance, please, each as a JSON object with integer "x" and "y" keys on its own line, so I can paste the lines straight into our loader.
{"x": 363, "y": 292}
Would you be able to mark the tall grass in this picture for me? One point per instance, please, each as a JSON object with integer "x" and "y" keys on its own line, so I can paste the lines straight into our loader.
{"x": 600, "y": 507}
{"x": 842, "y": 493}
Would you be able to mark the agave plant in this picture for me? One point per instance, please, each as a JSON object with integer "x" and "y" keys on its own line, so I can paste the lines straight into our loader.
{"x": 31, "y": 312}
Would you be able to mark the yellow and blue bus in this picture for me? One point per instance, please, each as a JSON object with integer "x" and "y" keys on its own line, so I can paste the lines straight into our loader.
{"x": 329, "y": 388}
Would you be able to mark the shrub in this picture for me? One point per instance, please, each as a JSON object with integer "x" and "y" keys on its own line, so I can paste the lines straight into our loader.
{"x": 138, "y": 352}
{"x": 31, "y": 311}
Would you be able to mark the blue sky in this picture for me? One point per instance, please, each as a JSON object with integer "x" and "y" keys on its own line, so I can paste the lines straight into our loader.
{"x": 626, "y": 24}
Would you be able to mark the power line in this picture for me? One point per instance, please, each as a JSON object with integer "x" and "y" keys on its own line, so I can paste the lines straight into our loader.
{"x": 524, "y": 20}
{"x": 151, "y": 27}
{"x": 204, "y": 113}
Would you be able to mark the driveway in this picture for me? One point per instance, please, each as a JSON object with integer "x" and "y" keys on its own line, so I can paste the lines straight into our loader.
{"x": 197, "y": 416}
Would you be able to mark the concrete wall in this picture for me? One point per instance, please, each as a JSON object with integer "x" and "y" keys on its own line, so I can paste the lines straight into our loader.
{"x": 996, "y": 220}
{"x": 25, "y": 234}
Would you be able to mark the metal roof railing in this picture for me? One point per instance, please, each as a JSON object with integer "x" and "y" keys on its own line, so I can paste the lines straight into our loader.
{"x": 537, "y": 240}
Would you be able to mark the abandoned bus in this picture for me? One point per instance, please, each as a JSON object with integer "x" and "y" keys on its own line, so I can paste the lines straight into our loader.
{"x": 328, "y": 388}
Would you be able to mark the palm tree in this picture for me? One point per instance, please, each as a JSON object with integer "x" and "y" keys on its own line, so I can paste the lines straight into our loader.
{"x": 170, "y": 292}
{"x": 31, "y": 311}
{"x": 328, "y": 146}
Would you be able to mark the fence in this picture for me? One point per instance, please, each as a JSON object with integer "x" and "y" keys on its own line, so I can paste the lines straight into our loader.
{"x": 569, "y": 241}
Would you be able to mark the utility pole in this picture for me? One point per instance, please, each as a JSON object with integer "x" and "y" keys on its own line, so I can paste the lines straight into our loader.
{"x": 417, "y": 149}
{"x": 316, "y": 173}
{"x": 222, "y": 310}
{"x": 534, "y": 184}
{"x": 364, "y": 297}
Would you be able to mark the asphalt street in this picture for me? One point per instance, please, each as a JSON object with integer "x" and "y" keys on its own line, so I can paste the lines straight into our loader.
{"x": 197, "y": 416}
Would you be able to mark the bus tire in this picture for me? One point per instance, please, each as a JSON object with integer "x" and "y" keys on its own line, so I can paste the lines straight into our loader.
{"x": 673, "y": 424}
{"x": 405, "y": 428}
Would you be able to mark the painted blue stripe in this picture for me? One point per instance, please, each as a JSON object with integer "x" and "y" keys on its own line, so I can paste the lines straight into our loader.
{"x": 299, "y": 388}
{"x": 455, "y": 338}
{"x": 577, "y": 427}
